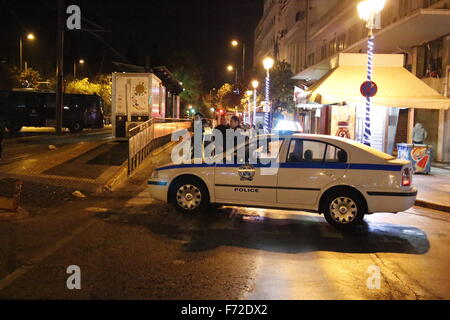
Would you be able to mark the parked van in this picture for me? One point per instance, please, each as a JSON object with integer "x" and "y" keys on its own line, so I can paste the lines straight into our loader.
{"x": 38, "y": 109}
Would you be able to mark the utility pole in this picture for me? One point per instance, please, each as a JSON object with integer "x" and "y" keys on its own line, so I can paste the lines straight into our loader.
{"x": 243, "y": 63}
{"x": 21, "y": 53}
{"x": 60, "y": 69}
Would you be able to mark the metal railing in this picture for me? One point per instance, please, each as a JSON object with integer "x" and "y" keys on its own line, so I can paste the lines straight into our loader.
{"x": 149, "y": 135}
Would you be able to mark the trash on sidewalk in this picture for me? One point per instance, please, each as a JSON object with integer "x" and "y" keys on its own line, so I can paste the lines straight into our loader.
{"x": 52, "y": 147}
{"x": 78, "y": 194}
{"x": 12, "y": 204}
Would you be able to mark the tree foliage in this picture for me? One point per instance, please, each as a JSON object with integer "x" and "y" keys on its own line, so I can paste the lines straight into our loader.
{"x": 226, "y": 98}
{"x": 102, "y": 86}
{"x": 186, "y": 70}
{"x": 281, "y": 86}
{"x": 27, "y": 78}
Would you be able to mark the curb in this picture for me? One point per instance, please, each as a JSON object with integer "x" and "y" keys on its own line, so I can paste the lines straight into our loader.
{"x": 13, "y": 216}
{"x": 122, "y": 174}
{"x": 432, "y": 205}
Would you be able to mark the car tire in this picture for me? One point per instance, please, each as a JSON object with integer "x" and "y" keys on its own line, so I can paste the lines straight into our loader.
{"x": 76, "y": 127}
{"x": 344, "y": 210}
{"x": 190, "y": 196}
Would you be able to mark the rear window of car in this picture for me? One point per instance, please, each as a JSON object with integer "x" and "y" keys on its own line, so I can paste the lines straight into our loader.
{"x": 370, "y": 150}
{"x": 302, "y": 150}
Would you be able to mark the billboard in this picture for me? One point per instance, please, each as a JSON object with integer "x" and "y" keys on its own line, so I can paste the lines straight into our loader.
{"x": 343, "y": 120}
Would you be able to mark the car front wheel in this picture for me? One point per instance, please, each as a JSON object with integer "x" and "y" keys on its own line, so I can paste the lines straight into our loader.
{"x": 344, "y": 210}
{"x": 189, "y": 196}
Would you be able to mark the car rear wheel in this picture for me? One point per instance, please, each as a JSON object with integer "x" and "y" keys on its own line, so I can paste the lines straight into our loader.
{"x": 76, "y": 127}
{"x": 189, "y": 196}
{"x": 344, "y": 209}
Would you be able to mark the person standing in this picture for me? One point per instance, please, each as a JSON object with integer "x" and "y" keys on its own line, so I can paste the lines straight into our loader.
{"x": 223, "y": 127}
{"x": 235, "y": 126}
{"x": 419, "y": 134}
{"x": 198, "y": 121}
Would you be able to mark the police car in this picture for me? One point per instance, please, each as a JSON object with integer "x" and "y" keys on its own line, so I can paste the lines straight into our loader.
{"x": 339, "y": 178}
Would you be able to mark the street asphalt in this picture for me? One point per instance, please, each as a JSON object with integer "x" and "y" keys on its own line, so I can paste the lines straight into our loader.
{"x": 129, "y": 246}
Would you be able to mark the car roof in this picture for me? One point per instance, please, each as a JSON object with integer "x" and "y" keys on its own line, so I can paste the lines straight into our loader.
{"x": 340, "y": 143}
{"x": 309, "y": 136}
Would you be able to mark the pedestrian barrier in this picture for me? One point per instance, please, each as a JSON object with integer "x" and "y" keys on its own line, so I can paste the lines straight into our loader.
{"x": 149, "y": 135}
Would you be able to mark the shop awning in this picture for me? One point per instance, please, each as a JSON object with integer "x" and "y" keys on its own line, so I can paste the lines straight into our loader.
{"x": 397, "y": 87}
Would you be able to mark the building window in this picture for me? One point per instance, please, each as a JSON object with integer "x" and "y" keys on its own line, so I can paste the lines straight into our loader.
{"x": 404, "y": 7}
{"x": 354, "y": 34}
{"x": 341, "y": 42}
{"x": 332, "y": 47}
{"x": 427, "y": 3}
{"x": 323, "y": 51}
{"x": 299, "y": 16}
{"x": 311, "y": 59}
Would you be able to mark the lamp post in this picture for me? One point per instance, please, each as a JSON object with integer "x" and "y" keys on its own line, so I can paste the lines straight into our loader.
{"x": 235, "y": 43}
{"x": 268, "y": 64}
{"x": 368, "y": 10}
{"x": 81, "y": 62}
{"x": 30, "y": 37}
{"x": 247, "y": 115}
{"x": 231, "y": 68}
{"x": 255, "y": 85}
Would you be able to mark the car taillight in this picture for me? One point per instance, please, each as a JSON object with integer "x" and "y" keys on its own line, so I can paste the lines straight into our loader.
{"x": 406, "y": 177}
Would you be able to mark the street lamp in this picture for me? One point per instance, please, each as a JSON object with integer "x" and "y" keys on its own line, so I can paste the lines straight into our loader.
{"x": 235, "y": 43}
{"x": 248, "y": 114}
{"x": 231, "y": 68}
{"x": 81, "y": 62}
{"x": 268, "y": 64}
{"x": 30, "y": 37}
{"x": 255, "y": 85}
{"x": 368, "y": 10}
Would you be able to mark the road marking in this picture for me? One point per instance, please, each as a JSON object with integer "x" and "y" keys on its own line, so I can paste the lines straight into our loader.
{"x": 143, "y": 198}
{"x": 30, "y": 264}
{"x": 97, "y": 210}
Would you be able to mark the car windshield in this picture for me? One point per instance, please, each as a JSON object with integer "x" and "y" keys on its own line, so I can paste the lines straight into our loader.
{"x": 372, "y": 151}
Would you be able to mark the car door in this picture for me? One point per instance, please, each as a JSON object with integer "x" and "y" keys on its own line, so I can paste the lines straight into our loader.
{"x": 246, "y": 183}
{"x": 310, "y": 166}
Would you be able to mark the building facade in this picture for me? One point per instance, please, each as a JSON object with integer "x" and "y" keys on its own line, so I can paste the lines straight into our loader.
{"x": 310, "y": 34}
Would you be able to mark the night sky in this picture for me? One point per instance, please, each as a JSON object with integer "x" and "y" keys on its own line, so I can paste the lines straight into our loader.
{"x": 134, "y": 30}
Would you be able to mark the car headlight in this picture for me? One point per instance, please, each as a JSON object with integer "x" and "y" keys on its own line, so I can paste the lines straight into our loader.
{"x": 155, "y": 175}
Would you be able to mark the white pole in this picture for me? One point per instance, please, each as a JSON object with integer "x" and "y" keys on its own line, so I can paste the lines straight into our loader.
{"x": 254, "y": 107}
{"x": 267, "y": 106}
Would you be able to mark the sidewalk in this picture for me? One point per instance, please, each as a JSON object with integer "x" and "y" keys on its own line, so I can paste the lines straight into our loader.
{"x": 83, "y": 163}
{"x": 434, "y": 189}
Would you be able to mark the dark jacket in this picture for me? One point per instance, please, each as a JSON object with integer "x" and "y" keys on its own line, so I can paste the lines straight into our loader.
{"x": 223, "y": 129}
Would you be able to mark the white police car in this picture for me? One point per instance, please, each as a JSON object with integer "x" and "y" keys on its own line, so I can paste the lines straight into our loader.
{"x": 340, "y": 178}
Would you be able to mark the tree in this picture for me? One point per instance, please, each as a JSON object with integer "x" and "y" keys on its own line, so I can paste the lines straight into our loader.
{"x": 281, "y": 86}
{"x": 226, "y": 98}
{"x": 105, "y": 92}
{"x": 27, "y": 78}
{"x": 186, "y": 70}
{"x": 101, "y": 86}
